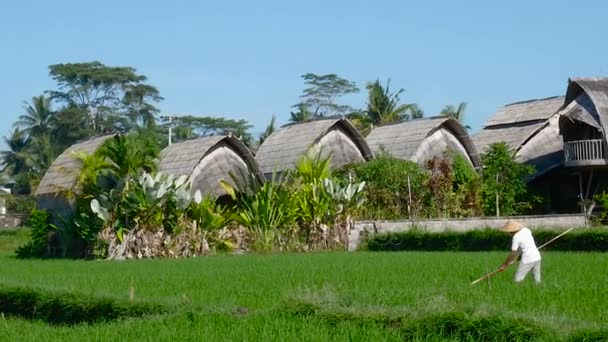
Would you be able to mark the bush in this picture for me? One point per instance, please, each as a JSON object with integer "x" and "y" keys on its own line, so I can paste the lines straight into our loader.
{"x": 42, "y": 236}
{"x": 485, "y": 240}
{"x": 64, "y": 308}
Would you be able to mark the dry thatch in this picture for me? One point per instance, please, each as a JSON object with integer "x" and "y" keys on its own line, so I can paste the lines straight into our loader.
{"x": 587, "y": 102}
{"x": 209, "y": 160}
{"x": 423, "y": 139}
{"x": 516, "y": 122}
{"x": 531, "y": 129}
{"x": 63, "y": 172}
{"x": 281, "y": 150}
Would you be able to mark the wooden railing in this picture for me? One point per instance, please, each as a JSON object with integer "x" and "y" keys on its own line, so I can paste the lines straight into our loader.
{"x": 590, "y": 152}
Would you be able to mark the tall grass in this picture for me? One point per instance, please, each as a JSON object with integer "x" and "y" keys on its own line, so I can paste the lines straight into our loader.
{"x": 371, "y": 296}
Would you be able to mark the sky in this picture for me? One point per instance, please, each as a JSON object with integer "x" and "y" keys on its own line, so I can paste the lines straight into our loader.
{"x": 244, "y": 59}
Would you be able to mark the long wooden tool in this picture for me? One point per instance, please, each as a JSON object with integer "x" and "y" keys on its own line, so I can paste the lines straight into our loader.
{"x": 555, "y": 238}
{"x": 541, "y": 247}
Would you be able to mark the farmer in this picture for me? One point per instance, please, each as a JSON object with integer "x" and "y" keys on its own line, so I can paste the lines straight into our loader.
{"x": 530, "y": 256}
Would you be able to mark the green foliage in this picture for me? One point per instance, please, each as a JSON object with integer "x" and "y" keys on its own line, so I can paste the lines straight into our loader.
{"x": 115, "y": 98}
{"x": 67, "y": 308}
{"x": 264, "y": 209}
{"x": 270, "y": 128}
{"x": 485, "y": 240}
{"x": 302, "y": 115}
{"x": 388, "y": 194}
{"x": 23, "y": 204}
{"x": 42, "y": 237}
{"x": 316, "y": 296}
{"x": 322, "y": 92}
{"x": 188, "y": 127}
{"x": 602, "y": 200}
{"x": 504, "y": 176}
{"x": 455, "y": 112}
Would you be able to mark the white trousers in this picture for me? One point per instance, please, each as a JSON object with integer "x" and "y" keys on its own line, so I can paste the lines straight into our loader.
{"x": 523, "y": 270}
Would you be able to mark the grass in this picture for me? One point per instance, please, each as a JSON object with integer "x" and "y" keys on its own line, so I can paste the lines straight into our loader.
{"x": 322, "y": 296}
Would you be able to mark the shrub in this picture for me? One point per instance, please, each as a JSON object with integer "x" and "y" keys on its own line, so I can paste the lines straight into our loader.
{"x": 64, "y": 308}
{"x": 42, "y": 237}
{"x": 485, "y": 240}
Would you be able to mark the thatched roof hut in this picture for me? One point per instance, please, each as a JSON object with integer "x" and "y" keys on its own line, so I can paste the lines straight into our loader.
{"x": 530, "y": 128}
{"x": 209, "y": 160}
{"x": 585, "y": 111}
{"x": 62, "y": 175}
{"x": 422, "y": 139}
{"x": 282, "y": 149}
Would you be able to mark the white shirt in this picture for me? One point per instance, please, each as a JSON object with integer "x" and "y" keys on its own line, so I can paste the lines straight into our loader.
{"x": 523, "y": 240}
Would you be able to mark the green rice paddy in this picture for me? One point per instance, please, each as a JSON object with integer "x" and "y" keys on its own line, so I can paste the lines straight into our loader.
{"x": 339, "y": 296}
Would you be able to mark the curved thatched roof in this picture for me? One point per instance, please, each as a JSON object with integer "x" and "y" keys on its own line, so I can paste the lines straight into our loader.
{"x": 63, "y": 172}
{"x": 530, "y": 128}
{"x": 405, "y": 140}
{"x": 587, "y": 101}
{"x": 281, "y": 150}
{"x": 207, "y": 160}
{"x": 516, "y": 122}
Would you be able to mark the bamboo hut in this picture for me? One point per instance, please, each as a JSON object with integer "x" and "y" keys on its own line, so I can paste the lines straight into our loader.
{"x": 61, "y": 178}
{"x": 531, "y": 130}
{"x": 423, "y": 139}
{"x": 208, "y": 160}
{"x": 335, "y": 137}
{"x": 582, "y": 122}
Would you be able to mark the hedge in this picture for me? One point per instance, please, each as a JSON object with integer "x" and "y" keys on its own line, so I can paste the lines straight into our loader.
{"x": 67, "y": 308}
{"x": 582, "y": 239}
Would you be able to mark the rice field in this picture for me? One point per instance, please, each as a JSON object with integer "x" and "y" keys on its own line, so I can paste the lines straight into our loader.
{"x": 337, "y": 296}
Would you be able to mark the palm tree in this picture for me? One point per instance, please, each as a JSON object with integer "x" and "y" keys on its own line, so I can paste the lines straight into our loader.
{"x": 130, "y": 154}
{"x": 383, "y": 106}
{"x": 268, "y": 131}
{"x": 302, "y": 115}
{"x": 454, "y": 112}
{"x": 38, "y": 117}
{"x": 15, "y": 160}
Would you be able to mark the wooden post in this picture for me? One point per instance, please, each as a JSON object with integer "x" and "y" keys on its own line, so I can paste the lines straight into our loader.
{"x": 497, "y": 206}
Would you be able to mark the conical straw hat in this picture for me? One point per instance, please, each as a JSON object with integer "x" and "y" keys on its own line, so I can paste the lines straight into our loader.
{"x": 511, "y": 226}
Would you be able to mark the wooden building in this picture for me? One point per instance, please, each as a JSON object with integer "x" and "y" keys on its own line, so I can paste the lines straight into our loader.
{"x": 531, "y": 130}
{"x": 583, "y": 124}
{"x": 208, "y": 160}
{"x": 422, "y": 139}
{"x": 335, "y": 137}
{"x": 61, "y": 177}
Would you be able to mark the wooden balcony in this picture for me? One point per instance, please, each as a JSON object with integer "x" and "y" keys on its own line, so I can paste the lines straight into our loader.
{"x": 585, "y": 153}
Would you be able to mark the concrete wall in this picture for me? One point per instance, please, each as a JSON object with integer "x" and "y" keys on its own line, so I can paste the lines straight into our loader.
{"x": 365, "y": 228}
{"x": 11, "y": 221}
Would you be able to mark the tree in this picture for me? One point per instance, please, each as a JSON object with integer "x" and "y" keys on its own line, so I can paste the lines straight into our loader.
{"x": 302, "y": 115}
{"x": 455, "y": 112}
{"x": 322, "y": 92}
{"x": 103, "y": 91}
{"x": 503, "y": 188}
{"x": 38, "y": 117}
{"x": 188, "y": 127}
{"x": 268, "y": 131}
{"x": 383, "y": 106}
{"x": 15, "y": 159}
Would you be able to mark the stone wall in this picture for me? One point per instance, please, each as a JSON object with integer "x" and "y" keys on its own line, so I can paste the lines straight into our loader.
{"x": 11, "y": 221}
{"x": 363, "y": 228}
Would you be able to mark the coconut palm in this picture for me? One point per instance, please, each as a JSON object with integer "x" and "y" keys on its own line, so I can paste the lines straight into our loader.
{"x": 268, "y": 131}
{"x": 128, "y": 155}
{"x": 455, "y": 112}
{"x": 383, "y": 106}
{"x": 38, "y": 117}
{"x": 302, "y": 115}
{"x": 15, "y": 160}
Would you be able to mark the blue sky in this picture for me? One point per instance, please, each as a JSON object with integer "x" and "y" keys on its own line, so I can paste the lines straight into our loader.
{"x": 243, "y": 59}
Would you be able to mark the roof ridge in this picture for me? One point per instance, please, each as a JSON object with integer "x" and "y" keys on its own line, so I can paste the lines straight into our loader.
{"x": 534, "y": 100}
